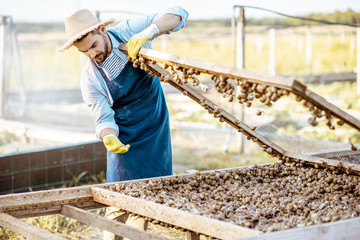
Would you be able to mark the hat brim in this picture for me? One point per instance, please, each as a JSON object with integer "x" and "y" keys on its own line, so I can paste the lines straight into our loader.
{"x": 71, "y": 41}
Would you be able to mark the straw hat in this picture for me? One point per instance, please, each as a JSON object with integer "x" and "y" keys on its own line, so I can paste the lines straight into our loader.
{"x": 79, "y": 24}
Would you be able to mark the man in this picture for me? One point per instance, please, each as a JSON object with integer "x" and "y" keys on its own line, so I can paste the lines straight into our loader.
{"x": 128, "y": 105}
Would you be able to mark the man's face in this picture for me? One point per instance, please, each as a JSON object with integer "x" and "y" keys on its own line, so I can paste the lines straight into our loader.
{"x": 95, "y": 45}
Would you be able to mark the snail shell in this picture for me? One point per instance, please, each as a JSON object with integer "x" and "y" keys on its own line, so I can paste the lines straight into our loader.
{"x": 353, "y": 147}
{"x": 259, "y": 112}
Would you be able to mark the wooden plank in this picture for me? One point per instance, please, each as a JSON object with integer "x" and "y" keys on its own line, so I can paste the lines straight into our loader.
{"x": 308, "y": 158}
{"x": 211, "y": 68}
{"x": 192, "y": 236}
{"x": 192, "y": 222}
{"x": 329, "y": 78}
{"x": 351, "y": 167}
{"x": 42, "y": 211}
{"x": 26, "y": 229}
{"x": 43, "y": 198}
{"x": 46, "y": 201}
{"x": 344, "y": 230}
{"x": 336, "y": 153}
{"x": 323, "y": 104}
{"x": 107, "y": 224}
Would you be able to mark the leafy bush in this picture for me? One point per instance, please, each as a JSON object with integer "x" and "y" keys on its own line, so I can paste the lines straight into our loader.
{"x": 6, "y": 137}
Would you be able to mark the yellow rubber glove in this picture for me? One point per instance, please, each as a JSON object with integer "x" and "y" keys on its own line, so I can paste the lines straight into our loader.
{"x": 138, "y": 40}
{"x": 113, "y": 144}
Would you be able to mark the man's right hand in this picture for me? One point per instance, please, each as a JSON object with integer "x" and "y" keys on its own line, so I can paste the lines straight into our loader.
{"x": 139, "y": 39}
{"x": 113, "y": 144}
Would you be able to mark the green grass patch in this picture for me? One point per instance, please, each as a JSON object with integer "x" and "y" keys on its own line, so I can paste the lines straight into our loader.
{"x": 57, "y": 224}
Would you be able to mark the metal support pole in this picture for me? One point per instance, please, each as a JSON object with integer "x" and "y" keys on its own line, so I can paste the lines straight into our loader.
{"x": 358, "y": 59}
{"x": 308, "y": 49}
{"x": 240, "y": 62}
{"x": 272, "y": 50}
{"x": 3, "y": 26}
{"x": 97, "y": 14}
{"x": 308, "y": 37}
{"x": 233, "y": 32}
{"x": 240, "y": 51}
{"x": 19, "y": 70}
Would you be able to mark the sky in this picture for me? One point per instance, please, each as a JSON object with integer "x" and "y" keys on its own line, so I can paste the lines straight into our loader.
{"x": 58, "y": 10}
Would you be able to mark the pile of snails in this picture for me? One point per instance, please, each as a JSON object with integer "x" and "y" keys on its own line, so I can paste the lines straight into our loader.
{"x": 266, "y": 197}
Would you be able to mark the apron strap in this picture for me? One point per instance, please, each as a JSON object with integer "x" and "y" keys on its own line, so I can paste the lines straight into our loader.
{"x": 115, "y": 36}
{"x": 100, "y": 69}
{"x": 103, "y": 75}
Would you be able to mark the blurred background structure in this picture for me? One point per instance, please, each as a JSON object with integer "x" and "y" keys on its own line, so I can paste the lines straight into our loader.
{"x": 47, "y": 135}
{"x": 42, "y": 111}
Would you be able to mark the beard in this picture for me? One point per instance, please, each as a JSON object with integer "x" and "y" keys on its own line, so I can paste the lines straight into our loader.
{"x": 99, "y": 58}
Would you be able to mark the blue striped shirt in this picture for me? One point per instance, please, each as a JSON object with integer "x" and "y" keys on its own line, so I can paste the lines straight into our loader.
{"x": 113, "y": 64}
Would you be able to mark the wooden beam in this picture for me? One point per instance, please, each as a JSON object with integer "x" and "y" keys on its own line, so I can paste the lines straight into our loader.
{"x": 329, "y": 107}
{"x": 44, "y": 198}
{"x": 107, "y": 224}
{"x": 336, "y": 153}
{"x": 192, "y": 236}
{"x": 211, "y": 68}
{"x": 47, "y": 201}
{"x": 345, "y": 230}
{"x": 42, "y": 211}
{"x": 192, "y": 222}
{"x": 26, "y": 229}
{"x": 346, "y": 166}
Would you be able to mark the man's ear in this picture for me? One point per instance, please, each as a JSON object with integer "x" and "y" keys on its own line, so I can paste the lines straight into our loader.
{"x": 102, "y": 28}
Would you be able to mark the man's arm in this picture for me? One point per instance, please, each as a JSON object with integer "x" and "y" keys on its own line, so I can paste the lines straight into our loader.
{"x": 104, "y": 125}
{"x": 106, "y": 128}
{"x": 167, "y": 22}
{"x": 172, "y": 20}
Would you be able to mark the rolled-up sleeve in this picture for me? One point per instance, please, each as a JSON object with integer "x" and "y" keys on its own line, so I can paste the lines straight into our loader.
{"x": 129, "y": 27}
{"x": 102, "y": 112}
{"x": 179, "y": 11}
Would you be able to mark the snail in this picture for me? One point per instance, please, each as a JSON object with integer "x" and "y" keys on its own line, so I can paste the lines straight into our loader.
{"x": 353, "y": 147}
{"x": 259, "y": 112}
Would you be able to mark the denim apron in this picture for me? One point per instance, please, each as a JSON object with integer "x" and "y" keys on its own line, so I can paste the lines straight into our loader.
{"x": 143, "y": 120}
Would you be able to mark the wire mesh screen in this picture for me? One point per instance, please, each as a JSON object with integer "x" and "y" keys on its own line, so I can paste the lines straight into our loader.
{"x": 279, "y": 114}
{"x": 287, "y": 123}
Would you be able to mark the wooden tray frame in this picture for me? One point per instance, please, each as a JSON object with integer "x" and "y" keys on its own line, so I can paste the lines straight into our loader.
{"x": 73, "y": 203}
{"x": 287, "y": 83}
